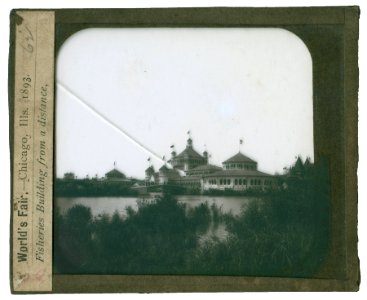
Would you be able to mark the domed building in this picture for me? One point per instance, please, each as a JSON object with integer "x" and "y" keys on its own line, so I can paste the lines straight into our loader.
{"x": 192, "y": 171}
{"x": 239, "y": 162}
{"x": 186, "y": 169}
{"x": 116, "y": 176}
{"x": 239, "y": 173}
{"x": 189, "y": 158}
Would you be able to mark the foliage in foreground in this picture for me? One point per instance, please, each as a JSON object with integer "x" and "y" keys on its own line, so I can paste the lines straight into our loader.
{"x": 283, "y": 234}
{"x": 157, "y": 239}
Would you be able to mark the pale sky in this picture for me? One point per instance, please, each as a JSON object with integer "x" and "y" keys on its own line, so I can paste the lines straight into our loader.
{"x": 158, "y": 83}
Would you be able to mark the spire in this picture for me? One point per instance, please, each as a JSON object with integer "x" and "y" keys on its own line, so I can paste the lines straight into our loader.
{"x": 189, "y": 140}
{"x": 206, "y": 157}
{"x": 307, "y": 162}
{"x": 240, "y": 144}
{"x": 149, "y": 160}
{"x": 205, "y": 154}
{"x": 173, "y": 152}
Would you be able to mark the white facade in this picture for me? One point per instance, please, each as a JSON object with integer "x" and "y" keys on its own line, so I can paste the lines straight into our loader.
{"x": 236, "y": 183}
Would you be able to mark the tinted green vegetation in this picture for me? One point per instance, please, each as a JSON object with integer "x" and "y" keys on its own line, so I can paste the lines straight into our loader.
{"x": 157, "y": 239}
{"x": 283, "y": 234}
{"x": 91, "y": 188}
{"x": 286, "y": 234}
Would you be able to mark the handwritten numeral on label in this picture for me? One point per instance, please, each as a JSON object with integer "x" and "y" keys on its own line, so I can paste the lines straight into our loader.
{"x": 27, "y": 39}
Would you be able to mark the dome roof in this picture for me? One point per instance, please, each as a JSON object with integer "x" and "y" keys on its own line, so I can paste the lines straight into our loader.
{"x": 189, "y": 153}
{"x": 115, "y": 174}
{"x": 239, "y": 158}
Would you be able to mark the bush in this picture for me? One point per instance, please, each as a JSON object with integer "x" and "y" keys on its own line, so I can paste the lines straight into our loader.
{"x": 283, "y": 233}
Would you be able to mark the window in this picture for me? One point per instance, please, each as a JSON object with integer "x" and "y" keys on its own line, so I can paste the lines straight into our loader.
{"x": 235, "y": 182}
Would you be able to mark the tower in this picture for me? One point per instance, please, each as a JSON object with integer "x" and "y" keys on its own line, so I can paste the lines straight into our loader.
{"x": 149, "y": 174}
{"x": 205, "y": 155}
{"x": 189, "y": 143}
{"x": 188, "y": 158}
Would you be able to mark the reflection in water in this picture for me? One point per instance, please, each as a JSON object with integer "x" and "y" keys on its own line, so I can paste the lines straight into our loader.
{"x": 217, "y": 231}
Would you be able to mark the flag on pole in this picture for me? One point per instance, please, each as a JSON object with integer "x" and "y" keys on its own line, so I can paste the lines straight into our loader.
{"x": 164, "y": 157}
{"x": 241, "y": 141}
{"x": 114, "y": 164}
{"x": 148, "y": 159}
{"x": 172, "y": 146}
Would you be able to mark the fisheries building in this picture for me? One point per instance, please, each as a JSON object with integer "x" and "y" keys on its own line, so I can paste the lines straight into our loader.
{"x": 191, "y": 170}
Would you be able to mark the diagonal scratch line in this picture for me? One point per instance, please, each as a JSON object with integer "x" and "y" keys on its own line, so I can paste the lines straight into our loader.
{"x": 109, "y": 122}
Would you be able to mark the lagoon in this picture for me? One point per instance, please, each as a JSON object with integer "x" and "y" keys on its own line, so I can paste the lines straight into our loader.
{"x": 109, "y": 205}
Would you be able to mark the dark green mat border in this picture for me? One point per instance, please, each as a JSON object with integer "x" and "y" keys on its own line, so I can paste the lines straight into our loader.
{"x": 331, "y": 35}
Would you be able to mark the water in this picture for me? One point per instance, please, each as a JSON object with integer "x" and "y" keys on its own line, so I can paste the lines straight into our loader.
{"x": 109, "y": 205}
